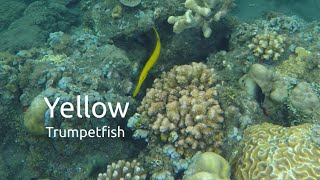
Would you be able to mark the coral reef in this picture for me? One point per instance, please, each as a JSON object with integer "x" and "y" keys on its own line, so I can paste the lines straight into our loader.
{"x": 8, "y": 85}
{"x": 181, "y": 109}
{"x": 189, "y": 108}
{"x": 258, "y": 75}
{"x": 163, "y": 161}
{"x": 10, "y": 11}
{"x": 304, "y": 99}
{"x": 200, "y": 13}
{"x": 280, "y": 91}
{"x": 298, "y": 97}
{"x": 272, "y": 151}
{"x": 296, "y": 65}
{"x": 106, "y": 79}
{"x": 59, "y": 41}
{"x": 123, "y": 170}
{"x": 208, "y": 165}
{"x": 290, "y": 24}
{"x": 114, "y": 18}
{"x": 282, "y": 25}
{"x": 268, "y": 46}
{"x": 162, "y": 175}
{"x": 38, "y": 19}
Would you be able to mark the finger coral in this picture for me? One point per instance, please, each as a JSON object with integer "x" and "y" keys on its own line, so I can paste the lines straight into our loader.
{"x": 199, "y": 14}
{"x": 268, "y": 46}
{"x": 181, "y": 109}
{"x": 123, "y": 170}
{"x": 270, "y": 151}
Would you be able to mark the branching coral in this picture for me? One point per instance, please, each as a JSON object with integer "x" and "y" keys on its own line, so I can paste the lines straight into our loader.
{"x": 181, "y": 109}
{"x": 199, "y": 14}
{"x": 123, "y": 170}
{"x": 268, "y": 46}
{"x": 270, "y": 151}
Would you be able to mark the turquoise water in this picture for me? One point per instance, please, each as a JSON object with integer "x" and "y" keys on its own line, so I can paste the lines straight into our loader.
{"x": 250, "y": 10}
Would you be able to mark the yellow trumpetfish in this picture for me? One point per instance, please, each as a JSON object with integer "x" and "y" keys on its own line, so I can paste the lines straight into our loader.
{"x": 153, "y": 58}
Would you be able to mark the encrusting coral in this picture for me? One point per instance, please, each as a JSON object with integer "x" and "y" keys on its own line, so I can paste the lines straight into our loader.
{"x": 34, "y": 117}
{"x": 296, "y": 65}
{"x": 304, "y": 99}
{"x": 268, "y": 46}
{"x": 123, "y": 170}
{"x": 180, "y": 109}
{"x": 209, "y": 166}
{"x": 270, "y": 151}
{"x": 257, "y": 76}
{"x": 199, "y": 14}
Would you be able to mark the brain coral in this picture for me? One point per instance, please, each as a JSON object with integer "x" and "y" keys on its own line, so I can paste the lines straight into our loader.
{"x": 180, "y": 109}
{"x": 274, "y": 152}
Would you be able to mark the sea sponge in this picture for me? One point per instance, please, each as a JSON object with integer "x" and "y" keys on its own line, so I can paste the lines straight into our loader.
{"x": 181, "y": 109}
{"x": 270, "y": 151}
{"x": 208, "y": 166}
{"x": 268, "y": 46}
{"x": 199, "y": 14}
{"x": 123, "y": 170}
{"x": 34, "y": 117}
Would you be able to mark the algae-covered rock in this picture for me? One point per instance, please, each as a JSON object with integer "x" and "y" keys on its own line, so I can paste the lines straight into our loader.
{"x": 130, "y": 3}
{"x": 35, "y": 23}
